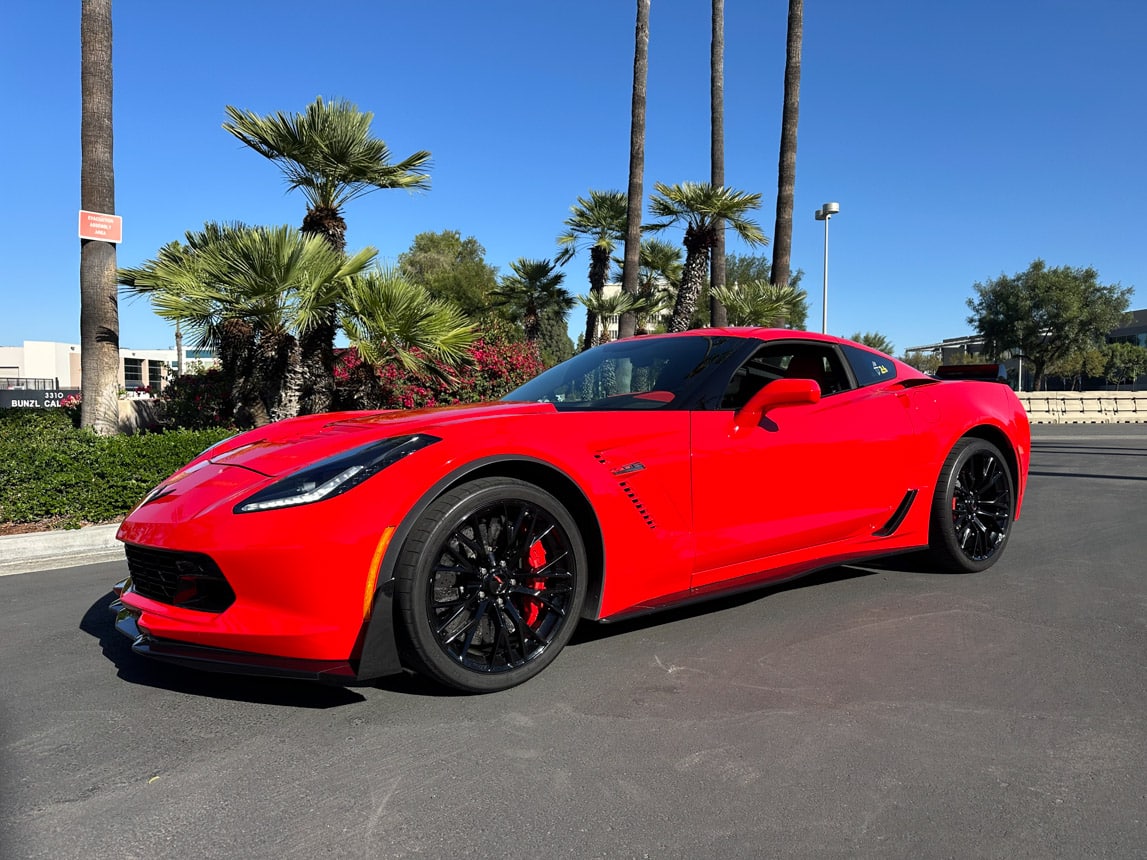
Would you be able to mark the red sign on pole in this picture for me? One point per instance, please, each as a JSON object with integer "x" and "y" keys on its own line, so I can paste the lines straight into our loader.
{"x": 100, "y": 227}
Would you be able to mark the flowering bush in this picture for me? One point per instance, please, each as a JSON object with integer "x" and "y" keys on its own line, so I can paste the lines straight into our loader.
{"x": 72, "y": 404}
{"x": 495, "y": 367}
{"x": 196, "y": 401}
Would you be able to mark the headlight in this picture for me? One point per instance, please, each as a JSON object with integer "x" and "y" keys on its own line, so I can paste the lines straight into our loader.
{"x": 335, "y": 475}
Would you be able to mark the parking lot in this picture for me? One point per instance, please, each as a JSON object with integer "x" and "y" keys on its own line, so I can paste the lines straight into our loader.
{"x": 863, "y": 711}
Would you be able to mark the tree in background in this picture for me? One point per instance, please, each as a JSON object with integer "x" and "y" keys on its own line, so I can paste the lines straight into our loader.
{"x": 452, "y": 269}
{"x": 99, "y": 308}
{"x": 1046, "y": 313}
{"x": 252, "y": 294}
{"x": 759, "y": 303}
{"x": 747, "y": 268}
{"x": 700, "y": 206}
{"x": 554, "y": 342}
{"x": 391, "y": 320}
{"x": 606, "y": 306}
{"x": 925, "y": 362}
{"x": 598, "y": 222}
{"x": 1125, "y": 362}
{"x": 534, "y": 289}
{"x": 1078, "y": 365}
{"x": 635, "y": 193}
{"x": 874, "y": 340}
{"x": 659, "y": 278}
{"x": 328, "y": 154}
{"x": 787, "y": 168}
{"x": 717, "y": 313}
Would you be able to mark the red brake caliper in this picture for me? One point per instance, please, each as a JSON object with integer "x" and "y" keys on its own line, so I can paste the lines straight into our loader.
{"x": 532, "y": 608}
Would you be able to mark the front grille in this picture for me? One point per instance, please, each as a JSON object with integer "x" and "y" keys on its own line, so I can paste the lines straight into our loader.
{"x": 189, "y": 580}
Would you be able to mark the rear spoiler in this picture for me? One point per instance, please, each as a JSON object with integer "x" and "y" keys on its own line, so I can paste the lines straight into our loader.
{"x": 983, "y": 372}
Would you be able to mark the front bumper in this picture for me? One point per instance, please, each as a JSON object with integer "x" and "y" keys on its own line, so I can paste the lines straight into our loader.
{"x": 222, "y": 659}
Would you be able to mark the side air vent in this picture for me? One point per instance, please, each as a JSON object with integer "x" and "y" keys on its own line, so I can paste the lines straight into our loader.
{"x": 628, "y": 490}
{"x": 898, "y": 515}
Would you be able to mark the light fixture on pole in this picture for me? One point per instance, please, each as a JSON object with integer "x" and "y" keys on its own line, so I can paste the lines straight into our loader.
{"x": 825, "y": 213}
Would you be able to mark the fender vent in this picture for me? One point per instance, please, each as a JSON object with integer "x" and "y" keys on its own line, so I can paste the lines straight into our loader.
{"x": 898, "y": 515}
{"x": 628, "y": 490}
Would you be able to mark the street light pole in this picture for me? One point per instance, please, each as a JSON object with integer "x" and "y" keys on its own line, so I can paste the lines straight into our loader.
{"x": 825, "y": 213}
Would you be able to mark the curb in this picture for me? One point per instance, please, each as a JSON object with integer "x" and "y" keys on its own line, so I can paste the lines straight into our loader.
{"x": 58, "y": 549}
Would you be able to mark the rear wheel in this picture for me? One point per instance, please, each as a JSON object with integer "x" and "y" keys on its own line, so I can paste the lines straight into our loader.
{"x": 490, "y": 584}
{"x": 972, "y": 507}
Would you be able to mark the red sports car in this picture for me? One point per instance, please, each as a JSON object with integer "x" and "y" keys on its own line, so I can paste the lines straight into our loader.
{"x": 467, "y": 542}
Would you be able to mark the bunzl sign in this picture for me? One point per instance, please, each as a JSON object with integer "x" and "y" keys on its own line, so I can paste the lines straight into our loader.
{"x": 101, "y": 227}
{"x": 17, "y": 398}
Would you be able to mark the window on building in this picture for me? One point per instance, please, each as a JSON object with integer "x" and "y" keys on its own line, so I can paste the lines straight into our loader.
{"x": 133, "y": 373}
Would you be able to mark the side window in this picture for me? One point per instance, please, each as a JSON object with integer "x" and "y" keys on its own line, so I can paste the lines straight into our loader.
{"x": 792, "y": 360}
{"x": 869, "y": 367}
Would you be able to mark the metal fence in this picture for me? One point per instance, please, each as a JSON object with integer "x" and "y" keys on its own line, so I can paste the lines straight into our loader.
{"x": 20, "y": 383}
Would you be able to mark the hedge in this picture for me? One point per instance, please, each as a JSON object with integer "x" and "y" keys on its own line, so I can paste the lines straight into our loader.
{"x": 53, "y": 473}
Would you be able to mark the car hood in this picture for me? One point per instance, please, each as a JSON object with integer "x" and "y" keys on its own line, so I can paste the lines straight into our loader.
{"x": 284, "y": 447}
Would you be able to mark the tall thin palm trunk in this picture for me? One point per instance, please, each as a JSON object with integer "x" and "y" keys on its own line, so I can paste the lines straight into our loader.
{"x": 718, "y": 316}
{"x": 787, "y": 169}
{"x": 99, "y": 303}
{"x": 627, "y": 324}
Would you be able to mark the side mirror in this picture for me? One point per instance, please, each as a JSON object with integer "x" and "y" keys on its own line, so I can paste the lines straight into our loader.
{"x": 779, "y": 392}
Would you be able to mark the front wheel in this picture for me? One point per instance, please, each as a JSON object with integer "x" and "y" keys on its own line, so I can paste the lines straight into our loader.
{"x": 490, "y": 584}
{"x": 972, "y": 507}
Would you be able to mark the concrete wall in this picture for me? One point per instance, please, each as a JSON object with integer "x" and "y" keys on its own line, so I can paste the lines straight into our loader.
{"x": 1086, "y": 407}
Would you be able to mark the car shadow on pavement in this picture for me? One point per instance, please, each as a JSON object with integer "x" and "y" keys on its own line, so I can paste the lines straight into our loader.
{"x": 99, "y": 622}
{"x": 594, "y": 632}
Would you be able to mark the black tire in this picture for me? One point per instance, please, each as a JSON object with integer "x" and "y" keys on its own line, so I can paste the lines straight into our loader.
{"x": 972, "y": 508}
{"x": 490, "y": 584}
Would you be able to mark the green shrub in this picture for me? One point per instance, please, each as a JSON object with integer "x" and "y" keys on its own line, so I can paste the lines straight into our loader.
{"x": 52, "y": 472}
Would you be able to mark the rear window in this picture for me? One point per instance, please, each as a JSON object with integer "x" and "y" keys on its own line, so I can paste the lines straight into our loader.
{"x": 869, "y": 367}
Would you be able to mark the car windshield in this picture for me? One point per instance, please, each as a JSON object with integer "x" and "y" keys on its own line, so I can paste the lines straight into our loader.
{"x": 635, "y": 373}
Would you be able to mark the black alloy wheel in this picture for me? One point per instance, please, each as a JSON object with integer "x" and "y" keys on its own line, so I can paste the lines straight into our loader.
{"x": 973, "y": 507}
{"x": 490, "y": 584}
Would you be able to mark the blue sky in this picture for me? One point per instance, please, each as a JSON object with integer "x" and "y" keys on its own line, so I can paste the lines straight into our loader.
{"x": 962, "y": 141}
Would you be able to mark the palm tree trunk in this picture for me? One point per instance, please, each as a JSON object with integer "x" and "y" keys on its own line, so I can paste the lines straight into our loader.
{"x": 718, "y": 315}
{"x": 317, "y": 347}
{"x": 99, "y": 302}
{"x": 598, "y": 271}
{"x": 692, "y": 276}
{"x": 627, "y": 324}
{"x": 787, "y": 168}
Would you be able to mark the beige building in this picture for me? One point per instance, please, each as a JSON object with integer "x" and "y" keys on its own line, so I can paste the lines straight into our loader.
{"x": 49, "y": 366}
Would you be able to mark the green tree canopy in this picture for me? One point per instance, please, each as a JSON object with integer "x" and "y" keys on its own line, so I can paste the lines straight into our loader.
{"x": 1045, "y": 313}
{"x": 1125, "y": 362}
{"x": 599, "y": 223}
{"x": 761, "y": 303}
{"x": 534, "y": 288}
{"x": 452, "y": 269}
{"x": 875, "y": 340}
{"x": 700, "y": 208}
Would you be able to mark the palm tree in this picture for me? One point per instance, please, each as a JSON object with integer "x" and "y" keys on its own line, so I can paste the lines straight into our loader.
{"x": 99, "y": 310}
{"x": 329, "y": 154}
{"x": 717, "y": 314}
{"x": 388, "y": 318}
{"x": 635, "y": 192}
{"x": 658, "y": 279}
{"x": 252, "y": 294}
{"x": 700, "y": 206}
{"x": 610, "y": 305}
{"x": 534, "y": 289}
{"x": 600, "y": 223}
{"x": 875, "y": 340}
{"x": 761, "y": 303}
{"x": 787, "y": 168}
